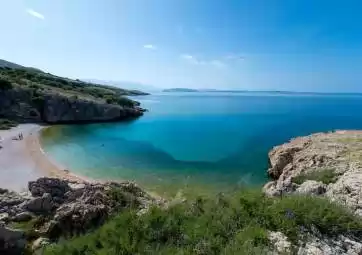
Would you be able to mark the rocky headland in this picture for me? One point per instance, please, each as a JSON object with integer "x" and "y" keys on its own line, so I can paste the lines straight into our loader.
{"x": 29, "y": 95}
{"x": 20, "y": 105}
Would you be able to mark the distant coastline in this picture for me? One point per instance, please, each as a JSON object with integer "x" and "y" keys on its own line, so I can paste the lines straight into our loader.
{"x": 180, "y": 90}
{"x": 284, "y": 92}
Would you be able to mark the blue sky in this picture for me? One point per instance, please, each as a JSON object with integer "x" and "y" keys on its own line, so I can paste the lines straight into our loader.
{"x": 300, "y": 45}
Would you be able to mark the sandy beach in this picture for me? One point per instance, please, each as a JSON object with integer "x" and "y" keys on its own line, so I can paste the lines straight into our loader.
{"x": 24, "y": 160}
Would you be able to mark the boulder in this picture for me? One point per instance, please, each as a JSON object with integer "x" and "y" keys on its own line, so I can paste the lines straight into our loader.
{"x": 322, "y": 245}
{"x": 40, "y": 204}
{"x": 4, "y": 216}
{"x": 312, "y": 188}
{"x": 40, "y": 243}
{"x": 54, "y": 186}
{"x": 12, "y": 241}
{"x": 280, "y": 242}
{"x": 77, "y": 218}
{"x": 23, "y": 216}
{"x": 9, "y": 198}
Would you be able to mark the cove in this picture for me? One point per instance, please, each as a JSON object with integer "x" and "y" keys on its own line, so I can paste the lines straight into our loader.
{"x": 214, "y": 139}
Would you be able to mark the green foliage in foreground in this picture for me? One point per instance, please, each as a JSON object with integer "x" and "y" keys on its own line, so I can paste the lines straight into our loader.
{"x": 7, "y": 124}
{"x": 233, "y": 224}
{"x": 5, "y": 85}
{"x": 326, "y": 176}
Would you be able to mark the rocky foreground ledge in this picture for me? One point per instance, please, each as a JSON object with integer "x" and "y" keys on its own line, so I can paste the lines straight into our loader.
{"x": 322, "y": 164}
{"x": 54, "y": 207}
{"x": 325, "y": 164}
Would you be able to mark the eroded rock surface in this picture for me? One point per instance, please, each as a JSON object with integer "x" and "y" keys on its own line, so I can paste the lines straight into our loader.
{"x": 339, "y": 152}
{"x": 64, "y": 208}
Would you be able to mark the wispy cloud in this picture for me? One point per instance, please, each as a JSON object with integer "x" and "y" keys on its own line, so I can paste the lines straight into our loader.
{"x": 193, "y": 60}
{"x": 150, "y": 47}
{"x": 187, "y": 56}
{"x": 235, "y": 57}
{"x": 218, "y": 63}
{"x": 35, "y": 14}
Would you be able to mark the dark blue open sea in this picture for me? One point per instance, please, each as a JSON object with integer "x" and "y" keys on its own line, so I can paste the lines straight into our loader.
{"x": 217, "y": 139}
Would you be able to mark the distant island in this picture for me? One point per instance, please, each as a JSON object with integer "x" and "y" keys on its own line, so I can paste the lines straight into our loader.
{"x": 180, "y": 90}
{"x": 262, "y": 92}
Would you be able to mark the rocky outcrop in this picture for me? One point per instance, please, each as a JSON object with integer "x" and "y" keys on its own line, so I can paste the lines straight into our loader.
{"x": 12, "y": 241}
{"x": 22, "y": 105}
{"x": 64, "y": 208}
{"x": 60, "y": 109}
{"x": 336, "y": 154}
{"x": 314, "y": 244}
{"x": 311, "y": 187}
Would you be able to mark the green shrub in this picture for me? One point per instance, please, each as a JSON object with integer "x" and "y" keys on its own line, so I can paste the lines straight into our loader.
{"x": 5, "y": 84}
{"x": 228, "y": 224}
{"x": 326, "y": 176}
{"x": 7, "y": 124}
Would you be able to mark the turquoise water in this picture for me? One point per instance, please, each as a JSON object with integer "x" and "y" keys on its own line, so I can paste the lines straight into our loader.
{"x": 219, "y": 139}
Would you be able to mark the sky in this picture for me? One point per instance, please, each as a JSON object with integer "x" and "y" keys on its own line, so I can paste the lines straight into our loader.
{"x": 294, "y": 45}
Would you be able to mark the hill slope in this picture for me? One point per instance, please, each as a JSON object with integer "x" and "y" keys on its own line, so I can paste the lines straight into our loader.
{"x": 30, "y": 95}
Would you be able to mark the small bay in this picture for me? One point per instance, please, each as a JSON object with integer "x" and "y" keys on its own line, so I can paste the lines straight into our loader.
{"x": 219, "y": 140}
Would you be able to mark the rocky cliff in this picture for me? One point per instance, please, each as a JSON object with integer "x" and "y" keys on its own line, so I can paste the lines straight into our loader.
{"x": 54, "y": 208}
{"x": 325, "y": 164}
{"x": 24, "y": 105}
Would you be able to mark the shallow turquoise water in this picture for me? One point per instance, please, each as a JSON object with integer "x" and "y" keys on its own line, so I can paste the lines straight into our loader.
{"x": 220, "y": 139}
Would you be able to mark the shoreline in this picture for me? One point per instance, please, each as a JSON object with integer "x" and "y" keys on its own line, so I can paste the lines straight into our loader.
{"x": 44, "y": 163}
{"x": 24, "y": 160}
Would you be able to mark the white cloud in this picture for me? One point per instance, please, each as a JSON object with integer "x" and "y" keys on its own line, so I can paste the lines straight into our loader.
{"x": 150, "y": 47}
{"x": 186, "y": 56}
{"x": 35, "y": 14}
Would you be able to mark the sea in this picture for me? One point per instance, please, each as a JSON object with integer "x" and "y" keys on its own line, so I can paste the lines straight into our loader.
{"x": 218, "y": 140}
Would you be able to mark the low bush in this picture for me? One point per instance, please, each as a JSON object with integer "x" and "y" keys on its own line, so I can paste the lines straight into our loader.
{"x": 327, "y": 176}
{"x": 7, "y": 124}
{"x": 5, "y": 84}
{"x": 227, "y": 224}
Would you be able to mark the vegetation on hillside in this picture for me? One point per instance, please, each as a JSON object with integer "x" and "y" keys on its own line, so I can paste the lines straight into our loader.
{"x": 325, "y": 175}
{"x": 41, "y": 82}
{"x": 7, "y": 124}
{"x": 228, "y": 224}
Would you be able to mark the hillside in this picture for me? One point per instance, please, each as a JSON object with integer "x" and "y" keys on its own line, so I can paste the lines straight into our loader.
{"x": 124, "y": 84}
{"x": 4, "y": 63}
{"x": 30, "y": 95}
